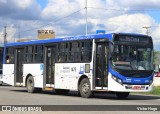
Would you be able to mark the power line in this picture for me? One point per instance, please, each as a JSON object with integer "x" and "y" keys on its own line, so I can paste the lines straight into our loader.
{"x": 53, "y": 22}
{"x": 125, "y": 9}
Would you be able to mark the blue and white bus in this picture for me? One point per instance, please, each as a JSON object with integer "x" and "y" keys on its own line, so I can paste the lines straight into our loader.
{"x": 117, "y": 62}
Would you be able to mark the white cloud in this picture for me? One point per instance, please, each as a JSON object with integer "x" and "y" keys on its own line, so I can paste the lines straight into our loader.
{"x": 156, "y": 33}
{"x": 10, "y": 34}
{"x": 59, "y": 8}
{"x": 3, "y": 1}
{"x": 121, "y": 16}
{"x": 23, "y": 3}
{"x": 135, "y": 4}
{"x": 129, "y": 23}
{"x": 20, "y": 9}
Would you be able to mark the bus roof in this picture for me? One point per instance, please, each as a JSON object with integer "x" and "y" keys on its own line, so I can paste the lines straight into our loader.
{"x": 70, "y": 38}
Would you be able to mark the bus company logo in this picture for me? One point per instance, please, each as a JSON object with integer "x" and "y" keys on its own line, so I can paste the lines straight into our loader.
{"x": 6, "y": 108}
{"x": 79, "y": 38}
{"x": 128, "y": 80}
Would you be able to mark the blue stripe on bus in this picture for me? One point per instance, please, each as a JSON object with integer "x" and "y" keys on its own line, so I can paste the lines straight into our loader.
{"x": 44, "y": 41}
{"x": 131, "y": 80}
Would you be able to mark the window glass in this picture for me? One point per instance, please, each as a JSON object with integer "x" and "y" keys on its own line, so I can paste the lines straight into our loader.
{"x": 10, "y": 55}
{"x": 78, "y": 51}
{"x": 34, "y": 54}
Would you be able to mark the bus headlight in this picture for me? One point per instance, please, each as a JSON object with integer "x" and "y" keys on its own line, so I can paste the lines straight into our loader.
{"x": 114, "y": 78}
{"x": 117, "y": 80}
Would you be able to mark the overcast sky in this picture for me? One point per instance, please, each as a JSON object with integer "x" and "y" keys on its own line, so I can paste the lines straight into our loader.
{"x": 67, "y": 17}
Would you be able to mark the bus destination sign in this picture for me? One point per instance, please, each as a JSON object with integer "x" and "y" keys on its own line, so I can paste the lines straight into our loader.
{"x": 132, "y": 39}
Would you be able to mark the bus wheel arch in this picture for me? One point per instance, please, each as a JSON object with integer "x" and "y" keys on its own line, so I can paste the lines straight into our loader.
{"x": 80, "y": 79}
{"x": 84, "y": 87}
{"x": 29, "y": 83}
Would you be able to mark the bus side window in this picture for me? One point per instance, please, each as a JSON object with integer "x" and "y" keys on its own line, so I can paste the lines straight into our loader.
{"x": 10, "y": 55}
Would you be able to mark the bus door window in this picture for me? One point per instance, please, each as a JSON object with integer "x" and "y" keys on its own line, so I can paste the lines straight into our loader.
{"x": 101, "y": 65}
{"x": 50, "y": 65}
{"x": 19, "y": 64}
{"x": 98, "y": 65}
{"x": 106, "y": 67}
{"x": 48, "y": 80}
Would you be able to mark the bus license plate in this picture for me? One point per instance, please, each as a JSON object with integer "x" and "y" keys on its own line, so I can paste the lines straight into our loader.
{"x": 137, "y": 87}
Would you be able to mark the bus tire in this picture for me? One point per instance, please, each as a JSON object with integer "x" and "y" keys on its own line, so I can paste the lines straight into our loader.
{"x": 61, "y": 91}
{"x": 30, "y": 85}
{"x": 122, "y": 95}
{"x": 85, "y": 88}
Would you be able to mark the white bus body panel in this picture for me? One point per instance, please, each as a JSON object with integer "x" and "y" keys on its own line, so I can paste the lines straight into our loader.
{"x": 8, "y": 74}
{"x": 36, "y": 70}
{"x": 115, "y": 86}
{"x": 68, "y": 74}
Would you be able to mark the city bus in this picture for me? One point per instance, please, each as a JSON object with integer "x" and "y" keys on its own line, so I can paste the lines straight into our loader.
{"x": 1, "y": 64}
{"x": 117, "y": 63}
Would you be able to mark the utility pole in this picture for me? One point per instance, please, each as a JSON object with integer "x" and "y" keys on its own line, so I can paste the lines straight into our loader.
{"x": 145, "y": 27}
{"x": 5, "y": 35}
{"x": 86, "y": 19}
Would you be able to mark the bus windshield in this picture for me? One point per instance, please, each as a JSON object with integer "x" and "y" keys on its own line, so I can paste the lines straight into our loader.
{"x": 129, "y": 57}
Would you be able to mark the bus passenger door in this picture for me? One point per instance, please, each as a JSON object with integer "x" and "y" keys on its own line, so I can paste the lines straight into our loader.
{"x": 19, "y": 59}
{"x": 50, "y": 64}
{"x": 101, "y": 66}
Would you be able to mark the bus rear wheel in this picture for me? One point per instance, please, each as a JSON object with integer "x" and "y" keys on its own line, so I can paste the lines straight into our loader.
{"x": 30, "y": 85}
{"x": 122, "y": 95}
{"x": 85, "y": 88}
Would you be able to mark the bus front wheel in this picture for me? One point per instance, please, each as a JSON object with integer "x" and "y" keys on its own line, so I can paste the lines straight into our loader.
{"x": 30, "y": 85}
{"x": 122, "y": 95}
{"x": 85, "y": 88}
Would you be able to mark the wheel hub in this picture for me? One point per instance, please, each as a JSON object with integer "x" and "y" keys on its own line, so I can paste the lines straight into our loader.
{"x": 85, "y": 88}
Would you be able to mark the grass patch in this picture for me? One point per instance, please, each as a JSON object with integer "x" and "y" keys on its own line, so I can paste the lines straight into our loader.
{"x": 156, "y": 91}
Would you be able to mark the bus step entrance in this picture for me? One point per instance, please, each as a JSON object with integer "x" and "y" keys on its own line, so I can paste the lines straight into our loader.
{"x": 19, "y": 84}
{"x": 49, "y": 88}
